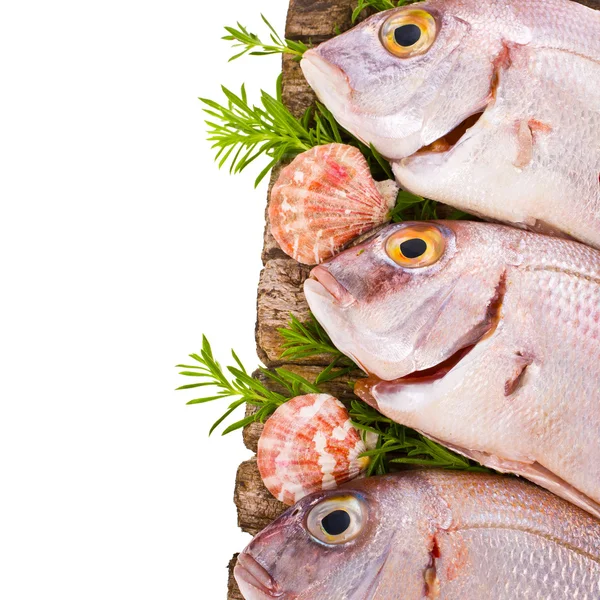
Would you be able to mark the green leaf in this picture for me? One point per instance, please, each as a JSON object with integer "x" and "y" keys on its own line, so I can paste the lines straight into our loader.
{"x": 194, "y": 385}
{"x": 377, "y": 6}
{"x": 225, "y": 415}
{"x": 254, "y": 46}
{"x": 396, "y": 444}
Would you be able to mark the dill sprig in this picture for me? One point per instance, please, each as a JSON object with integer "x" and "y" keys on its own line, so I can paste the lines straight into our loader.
{"x": 254, "y": 46}
{"x": 236, "y": 382}
{"x": 397, "y": 444}
{"x": 241, "y": 132}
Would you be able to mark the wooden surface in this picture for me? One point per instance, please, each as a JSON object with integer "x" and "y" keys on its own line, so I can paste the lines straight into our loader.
{"x": 280, "y": 287}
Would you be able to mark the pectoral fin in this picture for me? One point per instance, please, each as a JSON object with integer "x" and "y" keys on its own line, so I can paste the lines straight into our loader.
{"x": 529, "y": 469}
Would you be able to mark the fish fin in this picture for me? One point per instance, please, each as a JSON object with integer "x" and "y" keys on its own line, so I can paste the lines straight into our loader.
{"x": 515, "y": 380}
{"x": 529, "y": 469}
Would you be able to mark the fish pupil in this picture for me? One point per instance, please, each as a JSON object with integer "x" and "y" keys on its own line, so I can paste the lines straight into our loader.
{"x": 336, "y": 522}
{"x": 413, "y": 248}
{"x": 407, "y": 35}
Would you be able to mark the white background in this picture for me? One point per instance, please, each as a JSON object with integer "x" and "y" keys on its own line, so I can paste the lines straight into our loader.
{"x": 121, "y": 243}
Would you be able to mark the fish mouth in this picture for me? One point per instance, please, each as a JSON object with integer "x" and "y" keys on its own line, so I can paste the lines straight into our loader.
{"x": 341, "y": 295}
{"x": 364, "y": 388}
{"x": 450, "y": 140}
{"x": 254, "y": 580}
{"x": 334, "y": 89}
{"x": 416, "y": 383}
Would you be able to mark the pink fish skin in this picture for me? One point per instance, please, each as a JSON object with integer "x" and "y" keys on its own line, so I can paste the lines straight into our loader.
{"x": 428, "y": 535}
{"x": 499, "y": 117}
{"x": 492, "y": 350}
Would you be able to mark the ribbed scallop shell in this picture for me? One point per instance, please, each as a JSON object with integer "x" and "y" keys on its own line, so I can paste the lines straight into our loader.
{"x": 309, "y": 444}
{"x": 324, "y": 199}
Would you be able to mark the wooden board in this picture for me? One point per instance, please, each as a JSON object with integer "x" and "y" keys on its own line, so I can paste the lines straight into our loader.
{"x": 280, "y": 286}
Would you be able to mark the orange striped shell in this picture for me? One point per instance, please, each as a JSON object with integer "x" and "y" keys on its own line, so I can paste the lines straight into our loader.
{"x": 309, "y": 444}
{"x": 324, "y": 199}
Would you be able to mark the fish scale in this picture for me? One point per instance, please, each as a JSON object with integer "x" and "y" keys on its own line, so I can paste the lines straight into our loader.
{"x": 528, "y": 72}
{"x": 431, "y": 534}
{"x": 520, "y": 314}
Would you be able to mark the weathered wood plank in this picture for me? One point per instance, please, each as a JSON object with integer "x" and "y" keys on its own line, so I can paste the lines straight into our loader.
{"x": 279, "y": 294}
{"x": 591, "y": 3}
{"x": 256, "y": 507}
{"x": 281, "y": 280}
{"x": 233, "y": 592}
{"x": 317, "y": 20}
{"x": 296, "y": 94}
{"x": 280, "y": 288}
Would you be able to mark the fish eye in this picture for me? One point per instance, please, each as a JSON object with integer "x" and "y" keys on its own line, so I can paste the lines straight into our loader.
{"x": 415, "y": 246}
{"x": 408, "y": 33}
{"x": 336, "y": 520}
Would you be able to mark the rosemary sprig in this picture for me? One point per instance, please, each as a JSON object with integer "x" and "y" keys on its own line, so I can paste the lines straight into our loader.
{"x": 395, "y": 443}
{"x": 236, "y": 382}
{"x": 241, "y": 132}
{"x": 303, "y": 340}
{"x": 399, "y": 444}
{"x": 254, "y": 46}
{"x": 377, "y": 6}
{"x": 410, "y": 207}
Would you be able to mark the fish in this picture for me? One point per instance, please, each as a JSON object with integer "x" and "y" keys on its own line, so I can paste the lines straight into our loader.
{"x": 483, "y": 337}
{"x": 492, "y": 108}
{"x": 426, "y": 534}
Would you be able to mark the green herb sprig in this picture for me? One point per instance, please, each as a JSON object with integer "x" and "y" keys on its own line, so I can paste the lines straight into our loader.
{"x": 410, "y": 207}
{"x": 254, "y": 46}
{"x": 377, "y": 6}
{"x": 304, "y": 340}
{"x": 236, "y": 382}
{"x": 397, "y": 444}
{"x": 241, "y": 132}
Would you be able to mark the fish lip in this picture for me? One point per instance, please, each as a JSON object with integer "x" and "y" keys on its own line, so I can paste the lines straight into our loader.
{"x": 251, "y": 576}
{"x": 340, "y": 294}
{"x": 328, "y": 70}
{"x": 331, "y": 85}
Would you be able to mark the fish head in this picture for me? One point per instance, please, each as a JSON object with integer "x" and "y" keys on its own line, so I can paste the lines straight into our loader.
{"x": 405, "y": 78}
{"x": 338, "y": 543}
{"x": 413, "y": 297}
{"x": 317, "y": 545}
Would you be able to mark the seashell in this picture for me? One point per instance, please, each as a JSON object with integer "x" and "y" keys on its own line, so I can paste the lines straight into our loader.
{"x": 309, "y": 444}
{"x": 324, "y": 199}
